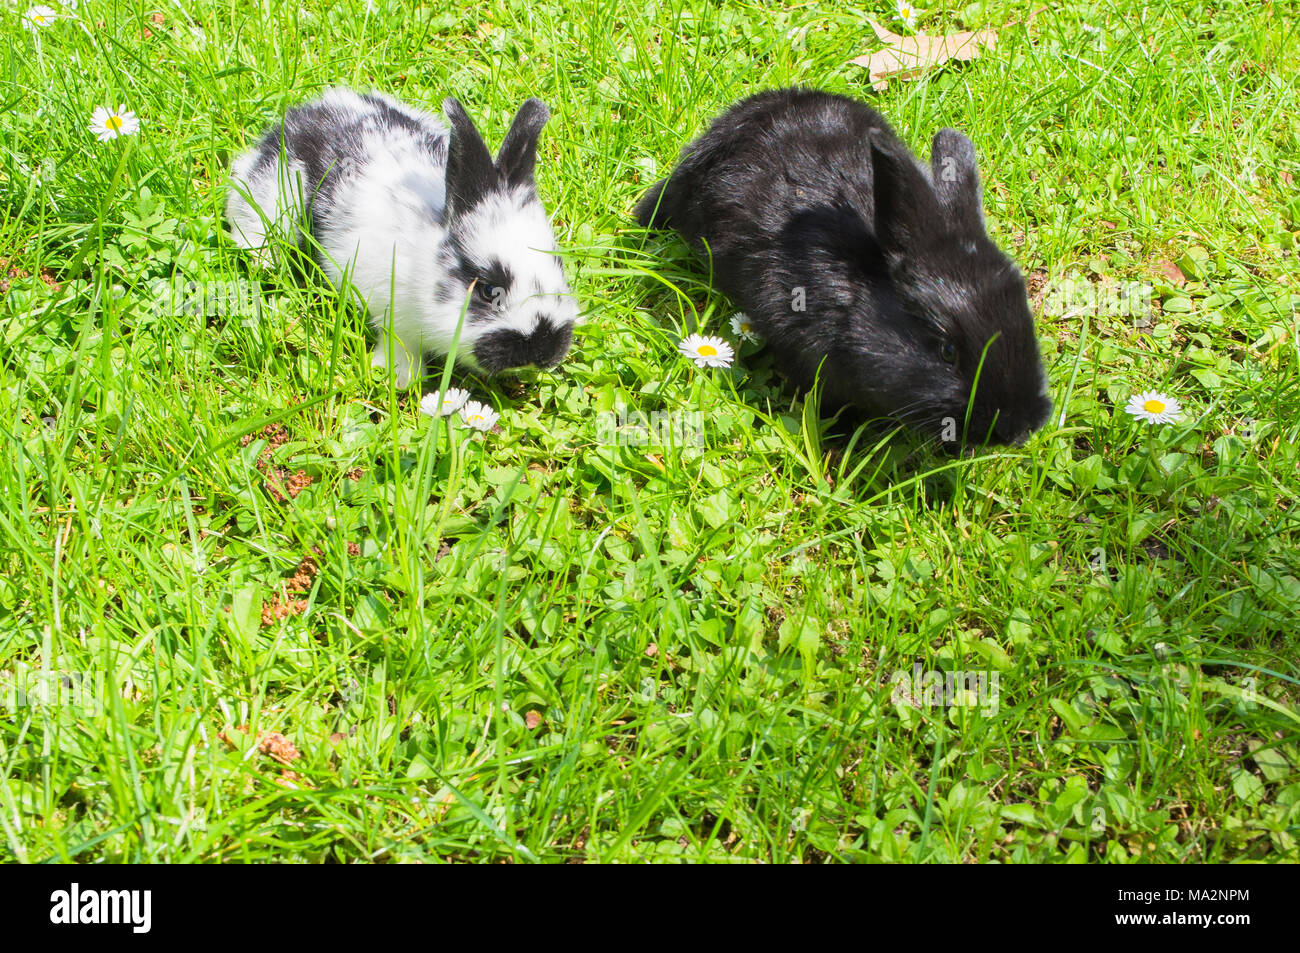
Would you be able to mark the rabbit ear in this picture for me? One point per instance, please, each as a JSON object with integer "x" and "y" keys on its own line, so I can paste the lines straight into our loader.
{"x": 470, "y": 173}
{"x": 906, "y": 206}
{"x": 519, "y": 150}
{"x": 956, "y": 180}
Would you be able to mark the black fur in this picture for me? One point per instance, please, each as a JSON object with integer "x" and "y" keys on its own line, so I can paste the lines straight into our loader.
{"x": 470, "y": 172}
{"x": 545, "y": 346}
{"x": 804, "y": 197}
{"x": 518, "y": 153}
{"x": 332, "y": 146}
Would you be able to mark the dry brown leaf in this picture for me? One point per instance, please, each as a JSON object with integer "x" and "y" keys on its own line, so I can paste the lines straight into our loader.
{"x": 1172, "y": 272}
{"x": 532, "y": 719}
{"x": 276, "y": 435}
{"x": 291, "y": 779}
{"x": 277, "y": 746}
{"x": 278, "y": 609}
{"x": 907, "y": 57}
{"x": 301, "y": 580}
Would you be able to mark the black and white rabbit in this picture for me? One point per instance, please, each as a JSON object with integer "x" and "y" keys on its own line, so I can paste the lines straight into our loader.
{"x": 859, "y": 264}
{"x": 417, "y": 217}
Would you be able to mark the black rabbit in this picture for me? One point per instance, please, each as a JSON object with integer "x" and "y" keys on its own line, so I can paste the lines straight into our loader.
{"x": 860, "y": 265}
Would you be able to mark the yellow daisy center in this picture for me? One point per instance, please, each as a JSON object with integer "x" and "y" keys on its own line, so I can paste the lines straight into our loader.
{"x": 1154, "y": 406}
{"x": 707, "y": 350}
{"x": 475, "y": 418}
{"x": 113, "y": 122}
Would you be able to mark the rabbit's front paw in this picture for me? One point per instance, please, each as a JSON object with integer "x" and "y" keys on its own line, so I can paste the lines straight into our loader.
{"x": 407, "y": 367}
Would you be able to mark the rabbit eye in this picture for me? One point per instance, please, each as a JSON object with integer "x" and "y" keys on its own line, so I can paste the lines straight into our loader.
{"x": 487, "y": 291}
{"x": 948, "y": 351}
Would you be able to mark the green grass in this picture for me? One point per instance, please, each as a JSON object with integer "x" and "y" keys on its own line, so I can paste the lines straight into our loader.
{"x": 538, "y": 644}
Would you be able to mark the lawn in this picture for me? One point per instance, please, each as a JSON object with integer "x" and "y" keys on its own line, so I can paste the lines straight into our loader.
{"x": 256, "y": 606}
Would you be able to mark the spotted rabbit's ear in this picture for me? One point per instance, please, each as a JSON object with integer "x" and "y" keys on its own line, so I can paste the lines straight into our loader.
{"x": 518, "y": 152}
{"x": 470, "y": 172}
{"x": 907, "y": 208}
{"x": 957, "y": 181}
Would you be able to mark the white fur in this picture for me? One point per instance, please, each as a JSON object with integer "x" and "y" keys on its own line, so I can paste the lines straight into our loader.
{"x": 259, "y": 206}
{"x": 513, "y": 227}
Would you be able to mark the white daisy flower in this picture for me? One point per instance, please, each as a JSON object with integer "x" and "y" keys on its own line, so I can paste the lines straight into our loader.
{"x": 479, "y": 416}
{"x": 707, "y": 351}
{"x": 907, "y": 13}
{"x": 38, "y": 17}
{"x": 743, "y": 327}
{"x": 440, "y": 404}
{"x": 108, "y": 124}
{"x": 1154, "y": 408}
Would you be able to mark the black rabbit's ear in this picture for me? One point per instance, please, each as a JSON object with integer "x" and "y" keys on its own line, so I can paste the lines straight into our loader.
{"x": 518, "y": 152}
{"x": 956, "y": 180}
{"x": 470, "y": 173}
{"x": 906, "y": 206}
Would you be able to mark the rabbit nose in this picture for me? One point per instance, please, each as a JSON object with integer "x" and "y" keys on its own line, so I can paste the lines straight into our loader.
{"x": 507, "y": 349}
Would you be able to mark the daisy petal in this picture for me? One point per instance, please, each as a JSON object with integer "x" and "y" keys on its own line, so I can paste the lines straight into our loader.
{"x": 108, "y": 124}
{"x": 445, "y": 404}
{"x": 707, "y": 351}
{"x": 479, "y": 416}
{"x": 37, "y": 18}
{"x": 743, "y": 327}
{"x": 1154, "y": 407}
